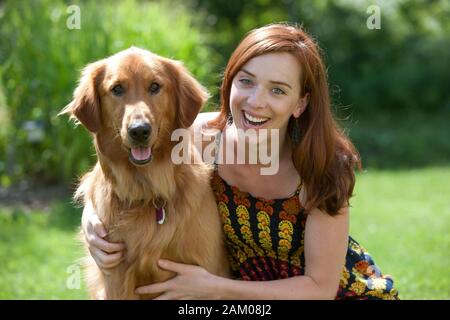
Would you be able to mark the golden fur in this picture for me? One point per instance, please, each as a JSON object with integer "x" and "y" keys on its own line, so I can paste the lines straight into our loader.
{"x": 122, "y": 192}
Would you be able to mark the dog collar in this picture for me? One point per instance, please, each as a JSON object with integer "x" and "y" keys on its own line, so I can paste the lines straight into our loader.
{"x": 159, "y": 204}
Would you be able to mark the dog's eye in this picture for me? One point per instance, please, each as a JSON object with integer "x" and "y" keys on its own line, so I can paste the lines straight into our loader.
{"x": 154, "y": 88}
{"x": 118, "y": 90}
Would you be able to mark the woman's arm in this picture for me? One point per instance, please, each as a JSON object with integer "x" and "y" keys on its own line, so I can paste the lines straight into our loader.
{"x": 326, "y": 241}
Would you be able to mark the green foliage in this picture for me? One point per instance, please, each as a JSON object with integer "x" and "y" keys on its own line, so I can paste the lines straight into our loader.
{"x": 410, "y": 140}
{"x": 400, "y": 71}
{"x": 41, "y": 59}
{"x": 402, "y": 67}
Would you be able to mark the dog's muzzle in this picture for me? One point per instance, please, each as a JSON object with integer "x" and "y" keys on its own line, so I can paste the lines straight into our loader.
{"x": 139, "y": 136}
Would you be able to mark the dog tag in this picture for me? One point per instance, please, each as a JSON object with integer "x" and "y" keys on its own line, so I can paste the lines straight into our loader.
{"x": 160, "y": 215}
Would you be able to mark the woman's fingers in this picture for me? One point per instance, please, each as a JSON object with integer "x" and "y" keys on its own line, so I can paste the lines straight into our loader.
{"x": 154, "y": 288}
{"x": 104, "y": 260}
{"x": 175, "y": 266}
{"x": 98, "y": 226}
{"x": 108, "y": 267}
{"x": 95, "y": 232}
{"x": 106, "y": 254}
{"x": 108, "y": 247}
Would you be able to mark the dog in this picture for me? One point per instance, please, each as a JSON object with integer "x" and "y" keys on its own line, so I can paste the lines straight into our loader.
{"x": 130, "y": 103}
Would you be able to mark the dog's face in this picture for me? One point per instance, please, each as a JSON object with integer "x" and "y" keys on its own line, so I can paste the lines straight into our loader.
{"x": 136, "y": 98}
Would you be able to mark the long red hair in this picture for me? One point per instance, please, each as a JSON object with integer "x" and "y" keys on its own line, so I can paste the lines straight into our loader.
{"x": 324, "y": 158}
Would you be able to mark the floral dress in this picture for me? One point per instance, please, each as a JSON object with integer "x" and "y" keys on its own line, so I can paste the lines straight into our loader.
{"x": 265, "y": 241}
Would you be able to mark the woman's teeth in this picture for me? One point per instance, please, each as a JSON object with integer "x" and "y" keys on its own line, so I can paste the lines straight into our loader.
{"x": 254, "y": 120}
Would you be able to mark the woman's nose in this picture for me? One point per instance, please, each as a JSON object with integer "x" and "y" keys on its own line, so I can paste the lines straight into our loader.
{"x": 256, "y": 99}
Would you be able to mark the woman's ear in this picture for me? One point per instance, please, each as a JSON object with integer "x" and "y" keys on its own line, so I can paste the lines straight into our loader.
{"x": 85, "y": 106}
{"x": 301, "y": 105}
{"x": 191, "y": 95}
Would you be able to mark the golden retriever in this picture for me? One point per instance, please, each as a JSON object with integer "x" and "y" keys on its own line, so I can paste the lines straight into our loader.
{"x": 131, "y": 102}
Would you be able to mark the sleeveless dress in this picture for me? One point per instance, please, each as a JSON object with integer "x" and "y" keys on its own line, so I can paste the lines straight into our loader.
{"x": 265, "y": 241}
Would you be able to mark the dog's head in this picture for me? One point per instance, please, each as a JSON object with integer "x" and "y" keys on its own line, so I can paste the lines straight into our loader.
{"x": 136, "y": 98}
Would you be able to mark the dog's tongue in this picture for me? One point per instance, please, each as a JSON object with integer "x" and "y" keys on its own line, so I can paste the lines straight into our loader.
{"x": 141, "y": 153}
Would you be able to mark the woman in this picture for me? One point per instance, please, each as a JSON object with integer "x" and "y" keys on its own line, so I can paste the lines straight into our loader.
{"x": 290, "y": 227}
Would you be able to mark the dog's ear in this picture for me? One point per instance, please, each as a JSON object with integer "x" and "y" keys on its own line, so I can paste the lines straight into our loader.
{"x": 85, "y": 106}
{"x": 191, "y": 94}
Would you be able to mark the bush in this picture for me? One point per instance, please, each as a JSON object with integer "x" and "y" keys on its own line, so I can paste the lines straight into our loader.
{"x": 390, "y": 82}
{"x": 40, "y": 60}
{"x": 397, "y": 70}
{"x": 402, "y": 67}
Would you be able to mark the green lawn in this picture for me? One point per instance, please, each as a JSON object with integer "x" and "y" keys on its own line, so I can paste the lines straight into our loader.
{"x": 401, "y": 217}
{"x": 39, "y": 254}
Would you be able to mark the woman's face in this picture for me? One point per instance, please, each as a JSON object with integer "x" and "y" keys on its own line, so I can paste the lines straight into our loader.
{"x": 266, "y": 91}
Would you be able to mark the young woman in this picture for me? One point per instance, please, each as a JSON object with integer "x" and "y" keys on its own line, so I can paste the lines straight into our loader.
{"x": 286, "y": 232}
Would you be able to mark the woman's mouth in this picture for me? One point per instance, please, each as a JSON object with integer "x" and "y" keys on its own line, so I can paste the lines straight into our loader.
{"x": 253, "y": 121}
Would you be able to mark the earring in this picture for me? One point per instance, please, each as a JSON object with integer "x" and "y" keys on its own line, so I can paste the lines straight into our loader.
{"x": 295, "y": 132}
{"x": 230, "y": 119}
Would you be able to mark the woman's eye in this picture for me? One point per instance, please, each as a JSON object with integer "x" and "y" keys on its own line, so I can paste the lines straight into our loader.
{"x": 118, "y": 90}
{"x": 154, "y": 88}
{"x": 278, "y": 91}
{"x": 245, "y": 81}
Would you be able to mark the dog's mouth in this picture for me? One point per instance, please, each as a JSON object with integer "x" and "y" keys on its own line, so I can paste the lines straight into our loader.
{"x": 140, "y": 155}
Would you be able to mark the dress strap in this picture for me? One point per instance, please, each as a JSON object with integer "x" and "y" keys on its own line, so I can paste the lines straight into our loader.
{"x": 299, "y": 188}
{"x": 217, "y": 148}
{"x": 297, "y": 191}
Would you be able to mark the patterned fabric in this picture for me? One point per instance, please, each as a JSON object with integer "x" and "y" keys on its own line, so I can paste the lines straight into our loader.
{"x": 265, "y": 241}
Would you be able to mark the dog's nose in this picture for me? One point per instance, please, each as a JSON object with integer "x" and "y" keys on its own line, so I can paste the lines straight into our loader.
{"x": 140, "y": 131}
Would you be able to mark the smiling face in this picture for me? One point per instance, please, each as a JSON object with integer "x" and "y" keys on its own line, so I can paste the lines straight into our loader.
{"x": 132, "y": 101}
{"x": 136, "y": 101}
{"x": 266, "y": 92}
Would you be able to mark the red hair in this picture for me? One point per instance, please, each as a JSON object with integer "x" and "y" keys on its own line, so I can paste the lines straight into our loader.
{"x": 324, "y": 158}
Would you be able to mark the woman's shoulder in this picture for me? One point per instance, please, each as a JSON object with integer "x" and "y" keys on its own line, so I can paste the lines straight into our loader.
{"x": 200, "y": 129}
{"x": 201, "y": 122}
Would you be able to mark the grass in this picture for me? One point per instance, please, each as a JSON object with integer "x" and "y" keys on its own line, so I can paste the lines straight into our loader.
{"x": 403, "y": 220}
{"x": 39, "y": 254}
{"x": 401, "y": 217}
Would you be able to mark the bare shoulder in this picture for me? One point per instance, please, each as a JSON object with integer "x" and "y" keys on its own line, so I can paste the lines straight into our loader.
{"x": 200, "y": 130}
{"x": 202, "y": 120}
{"x": 321, "y": 215}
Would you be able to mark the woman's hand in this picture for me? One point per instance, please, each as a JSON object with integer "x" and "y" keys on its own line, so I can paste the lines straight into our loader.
{"x": 106, "y": 254}
{"x": 190, "y": 283}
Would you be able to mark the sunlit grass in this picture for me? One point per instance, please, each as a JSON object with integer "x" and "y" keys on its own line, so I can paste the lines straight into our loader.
{"x": 403, "y": 220}
{"x": 39, "y": 254}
